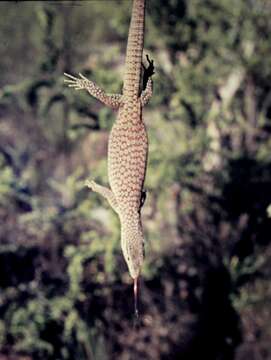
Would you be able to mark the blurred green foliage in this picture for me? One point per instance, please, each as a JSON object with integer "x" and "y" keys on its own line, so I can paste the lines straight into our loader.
{"x": 64, "y": 289}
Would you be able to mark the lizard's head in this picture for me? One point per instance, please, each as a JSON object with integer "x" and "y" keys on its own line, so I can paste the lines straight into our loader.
{"x": 132, "y": 243}
{"x": 134, "y": 258}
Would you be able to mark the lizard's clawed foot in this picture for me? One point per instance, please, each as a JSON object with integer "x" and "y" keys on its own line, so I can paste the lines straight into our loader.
{"x": 104, "y": 191}
{"x": 91, "y": 184}
{"x": 148, "y": 71}
{"x": 76, "y": 83}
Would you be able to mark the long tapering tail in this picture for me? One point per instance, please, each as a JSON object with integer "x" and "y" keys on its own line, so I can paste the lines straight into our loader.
{"x": 133, "y": 62}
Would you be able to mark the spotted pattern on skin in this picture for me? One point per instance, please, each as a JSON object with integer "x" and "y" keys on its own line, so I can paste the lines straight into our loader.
{"x": 127, "y": 159}
{"x": 128, "y": 143}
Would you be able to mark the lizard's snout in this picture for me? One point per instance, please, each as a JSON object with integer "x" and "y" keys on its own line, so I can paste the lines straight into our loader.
{"x": 132, "y": 244}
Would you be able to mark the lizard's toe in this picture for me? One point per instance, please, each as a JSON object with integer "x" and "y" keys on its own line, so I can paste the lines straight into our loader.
{"x": 90, "y": 184}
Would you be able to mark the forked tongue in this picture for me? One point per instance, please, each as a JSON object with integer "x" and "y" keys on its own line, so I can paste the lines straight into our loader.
{"x": 136, "y": 313}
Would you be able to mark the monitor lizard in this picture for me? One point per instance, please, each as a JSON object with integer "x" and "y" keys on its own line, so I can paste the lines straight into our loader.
{"x": 128, "y": 142}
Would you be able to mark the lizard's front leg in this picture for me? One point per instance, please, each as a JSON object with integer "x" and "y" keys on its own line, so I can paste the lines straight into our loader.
{"x": 105, "y": 192}
{"x": 111, "y": 100}
{"x": 148, "y": 71}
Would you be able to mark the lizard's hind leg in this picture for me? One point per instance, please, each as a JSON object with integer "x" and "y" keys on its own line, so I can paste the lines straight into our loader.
{"x": 105, "y": 192}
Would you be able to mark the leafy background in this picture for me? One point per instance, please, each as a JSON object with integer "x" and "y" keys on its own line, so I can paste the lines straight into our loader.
{"x": 64, "y": 288}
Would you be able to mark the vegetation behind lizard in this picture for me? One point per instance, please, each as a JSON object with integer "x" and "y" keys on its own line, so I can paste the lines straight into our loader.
{"x": 64, "y": 288}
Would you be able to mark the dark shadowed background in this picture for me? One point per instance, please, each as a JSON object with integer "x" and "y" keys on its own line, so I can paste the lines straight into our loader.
{"x": 64, "y": 288}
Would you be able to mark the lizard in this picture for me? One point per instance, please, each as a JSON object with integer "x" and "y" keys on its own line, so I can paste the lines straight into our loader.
{"x": 128, "y": 142}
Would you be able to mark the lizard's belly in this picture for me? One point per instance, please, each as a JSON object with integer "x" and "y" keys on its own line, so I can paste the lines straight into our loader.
{"x": 127, "y": 159}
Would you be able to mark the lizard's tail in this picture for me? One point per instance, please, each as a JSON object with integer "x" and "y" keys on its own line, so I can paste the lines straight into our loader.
{"x": 133, "y": 63}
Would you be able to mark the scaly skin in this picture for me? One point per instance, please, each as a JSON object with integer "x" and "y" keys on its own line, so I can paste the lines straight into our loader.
{"x": 127, "y": 158}
{"x": 128, "y": 143}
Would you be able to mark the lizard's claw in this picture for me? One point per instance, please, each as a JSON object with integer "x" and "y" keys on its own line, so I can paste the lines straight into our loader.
{"x": 91, "y": 184}
{"x": 76, "y": 83}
